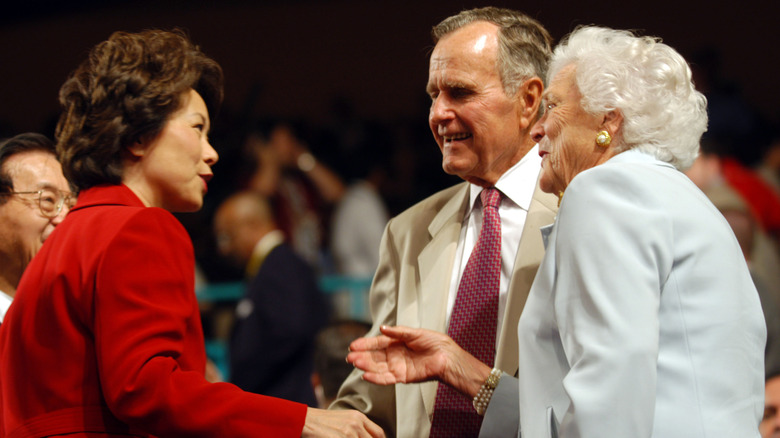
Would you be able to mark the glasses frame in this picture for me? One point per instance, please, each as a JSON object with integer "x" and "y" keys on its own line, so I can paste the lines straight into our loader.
{"x": 62, "y": 197}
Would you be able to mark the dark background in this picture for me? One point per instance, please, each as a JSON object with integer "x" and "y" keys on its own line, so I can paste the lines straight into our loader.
{"x": 292, "y": 58}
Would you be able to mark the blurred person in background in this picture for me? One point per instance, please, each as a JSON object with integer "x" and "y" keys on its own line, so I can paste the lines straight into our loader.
{"x": 34, "y": 198}
{"x": 302, "y": 189}
{"x": 770, "y": 424}
{"x": 330, "y": 368}
{"x": 709, "y": 173}
{"x": 272, "y": 340}
{"x": 360, "y": 216}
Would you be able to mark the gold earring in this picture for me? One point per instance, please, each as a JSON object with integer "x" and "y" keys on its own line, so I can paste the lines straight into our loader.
{"x": 603, "y": 139}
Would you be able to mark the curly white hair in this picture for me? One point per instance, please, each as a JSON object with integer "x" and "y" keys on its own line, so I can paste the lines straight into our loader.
{"x": 645, "y": 80}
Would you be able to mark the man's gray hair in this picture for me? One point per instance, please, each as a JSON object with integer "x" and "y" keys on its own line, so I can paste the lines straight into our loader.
{"x": 524, "y": 45}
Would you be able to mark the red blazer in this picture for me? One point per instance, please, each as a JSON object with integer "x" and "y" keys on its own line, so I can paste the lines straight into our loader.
{"x": 104, "y": 336}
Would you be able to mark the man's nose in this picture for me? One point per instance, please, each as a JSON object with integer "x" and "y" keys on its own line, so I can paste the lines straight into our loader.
{"x": 440, "y": 110}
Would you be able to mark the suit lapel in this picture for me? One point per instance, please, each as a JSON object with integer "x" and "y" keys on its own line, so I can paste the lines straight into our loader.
{"x": 435, "y": 264}
{"x": 541, "y": 212}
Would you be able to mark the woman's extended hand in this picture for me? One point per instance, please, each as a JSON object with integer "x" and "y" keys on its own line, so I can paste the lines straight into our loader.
{"x": 323, "y": 423}
{"x": 408, "y": 355}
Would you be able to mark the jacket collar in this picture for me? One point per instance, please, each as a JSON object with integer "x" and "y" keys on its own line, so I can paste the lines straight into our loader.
{"x": 107, "y": 195}
{"x": 636, "y": 155}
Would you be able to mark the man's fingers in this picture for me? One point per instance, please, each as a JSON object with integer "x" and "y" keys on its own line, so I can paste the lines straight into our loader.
{"x": 372, "y": 343}
{"x": 398, "y": 332}
{"x": 374, "y": 430}
{"x": 369, "y": 360}
{"x": 382, "y": 378}
{"x": 406, "y": 334}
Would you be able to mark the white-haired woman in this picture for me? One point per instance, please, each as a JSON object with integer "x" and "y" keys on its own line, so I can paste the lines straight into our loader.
{"x": 643, "y": 320}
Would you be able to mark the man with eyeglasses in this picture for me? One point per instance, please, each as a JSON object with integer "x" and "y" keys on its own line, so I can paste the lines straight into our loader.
{"x": 34, "y": 198}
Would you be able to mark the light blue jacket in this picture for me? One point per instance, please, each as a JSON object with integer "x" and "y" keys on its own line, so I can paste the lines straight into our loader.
{"x": 643, "y": 320}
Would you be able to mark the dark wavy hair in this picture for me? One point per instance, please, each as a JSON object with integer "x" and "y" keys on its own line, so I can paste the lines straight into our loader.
{"x": 123, "y": 93}
{"x": 29, "y": 141}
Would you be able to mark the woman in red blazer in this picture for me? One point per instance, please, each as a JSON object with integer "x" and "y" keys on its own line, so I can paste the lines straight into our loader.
{"x": 104, "y": 337}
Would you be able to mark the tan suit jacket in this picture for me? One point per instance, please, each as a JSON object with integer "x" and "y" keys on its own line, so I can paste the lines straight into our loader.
{"x": 411, "y": 287}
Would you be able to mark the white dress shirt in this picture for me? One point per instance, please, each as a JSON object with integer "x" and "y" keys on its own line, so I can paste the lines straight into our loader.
{"x": 5, "y": 303}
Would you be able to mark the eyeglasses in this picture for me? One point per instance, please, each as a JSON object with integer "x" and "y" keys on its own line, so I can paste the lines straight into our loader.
{"x": 50, "y": 201}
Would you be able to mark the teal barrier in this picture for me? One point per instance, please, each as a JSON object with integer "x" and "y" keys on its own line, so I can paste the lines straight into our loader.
{"x": 233, "y": 291}
{"x": 221, "y": 292}
{"x": 355, "y": 287}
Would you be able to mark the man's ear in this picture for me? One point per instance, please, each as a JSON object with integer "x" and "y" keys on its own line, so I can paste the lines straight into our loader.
{"x": 612, "y": 122}
{"x": 530, "y": 95}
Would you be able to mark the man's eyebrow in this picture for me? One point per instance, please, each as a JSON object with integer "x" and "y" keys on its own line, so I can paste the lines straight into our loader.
{"x": 41, "y": 185}
{"x": 452, "y": 84}
{"x": 459, "y": 83}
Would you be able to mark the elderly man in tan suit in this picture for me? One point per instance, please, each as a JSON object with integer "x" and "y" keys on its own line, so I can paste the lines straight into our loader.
{"x": 485, "y": 88}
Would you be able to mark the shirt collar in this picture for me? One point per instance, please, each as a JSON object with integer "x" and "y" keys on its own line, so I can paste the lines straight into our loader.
{"x": 518, "y": 183}
{"x": 5, "y": 303}
{"x": 262, "y": 248}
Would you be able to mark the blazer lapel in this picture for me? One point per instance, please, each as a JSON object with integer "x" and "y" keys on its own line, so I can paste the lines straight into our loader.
{"x": 542, "y": 212}
{"x": 435, "y": 264}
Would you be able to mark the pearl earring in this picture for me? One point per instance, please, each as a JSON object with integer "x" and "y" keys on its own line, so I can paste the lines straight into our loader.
{"x": 603, "y": 139}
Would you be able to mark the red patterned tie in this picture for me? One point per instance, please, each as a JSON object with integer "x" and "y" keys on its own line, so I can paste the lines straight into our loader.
{"x": 473, "y": 321}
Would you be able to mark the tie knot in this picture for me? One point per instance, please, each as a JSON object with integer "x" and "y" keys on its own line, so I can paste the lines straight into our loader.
{"x": 491, "y": 197}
